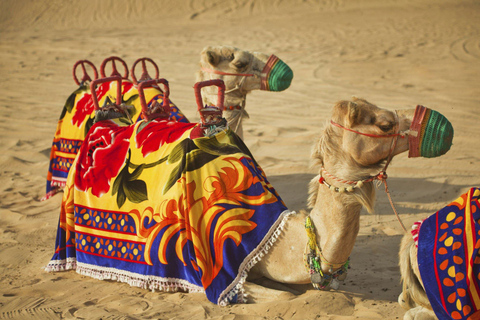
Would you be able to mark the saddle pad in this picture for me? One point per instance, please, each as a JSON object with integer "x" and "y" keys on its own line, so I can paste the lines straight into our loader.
{"x": 76, "y": 119}
{"x": 147, "y": 205}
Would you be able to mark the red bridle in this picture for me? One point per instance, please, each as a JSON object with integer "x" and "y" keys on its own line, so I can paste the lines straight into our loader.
{"x": 401, "y": 134}
{"x": 228, "y": 73}
{"x": 382, "y": 175}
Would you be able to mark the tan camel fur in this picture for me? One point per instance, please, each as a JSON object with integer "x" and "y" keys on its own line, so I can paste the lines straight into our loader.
{"x": 336, "y": 215}
{"x": 233, "y": 61}
{"x": 413, "y": 296}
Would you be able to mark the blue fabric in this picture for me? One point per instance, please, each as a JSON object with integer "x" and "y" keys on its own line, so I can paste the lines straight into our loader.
{"x": 448, "y": 247}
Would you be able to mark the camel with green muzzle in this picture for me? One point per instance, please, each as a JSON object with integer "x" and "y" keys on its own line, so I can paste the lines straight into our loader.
{"x": 353, "y": 152}
{"x": 242, "y": 71}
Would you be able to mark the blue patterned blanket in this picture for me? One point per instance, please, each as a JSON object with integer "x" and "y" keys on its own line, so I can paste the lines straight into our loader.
{"x": 448, "y": 258}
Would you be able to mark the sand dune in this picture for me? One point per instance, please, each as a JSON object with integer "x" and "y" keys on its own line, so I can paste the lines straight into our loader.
{"x": 396, "y": 54}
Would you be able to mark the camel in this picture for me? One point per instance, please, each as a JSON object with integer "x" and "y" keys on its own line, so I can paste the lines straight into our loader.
{"x": 449, "y": 286}
{"x": 242, "y": 71}
{"x": 258, "y": 71}
{"x": 355, "y": 146}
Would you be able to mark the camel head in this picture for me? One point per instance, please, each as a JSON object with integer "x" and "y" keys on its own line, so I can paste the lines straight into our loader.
{"x": 242, "y": 71}
{"x": 369, "y": 135}
{"x": 366, "y": 118}
{"x": 354, "y": 150}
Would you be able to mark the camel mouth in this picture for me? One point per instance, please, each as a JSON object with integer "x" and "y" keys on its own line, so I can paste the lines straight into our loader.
{"x": 434, "y": 134}
{"x": 276, "y": 75}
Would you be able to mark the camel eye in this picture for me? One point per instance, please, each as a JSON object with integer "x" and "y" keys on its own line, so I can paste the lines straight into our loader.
{"x": 240, "y": 64}
{"x": 386, "y": 127}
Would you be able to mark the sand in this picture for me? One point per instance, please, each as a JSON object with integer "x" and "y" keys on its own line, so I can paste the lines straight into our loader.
{"x": 396, "y": 54}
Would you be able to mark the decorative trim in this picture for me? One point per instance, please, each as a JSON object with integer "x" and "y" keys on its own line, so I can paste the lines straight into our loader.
{"x": 56, "y": 186}
{"x": 353, "y": 184}
{"x": 50, "y": 194}
{"x": 236, "y": 287}
{"x": 174, "y": 284}
{"x": 133, "y": 279}
{"x": 137, "y": 280}
{"x": 59, "y": 182}
{"x": 229, "y": 108}
{"x": 415, "y": 230}
{"x": 61, "y": 265}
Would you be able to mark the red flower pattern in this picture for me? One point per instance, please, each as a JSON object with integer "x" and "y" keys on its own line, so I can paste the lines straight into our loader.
{"x": 158, "y": 132}
{"x": 85, "y": 107}
{"x": 101, "y": 156}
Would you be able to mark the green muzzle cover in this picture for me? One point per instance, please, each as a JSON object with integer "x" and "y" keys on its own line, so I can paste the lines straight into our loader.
{"x": 276, "y": 75}
{"x": 434, "y": 134}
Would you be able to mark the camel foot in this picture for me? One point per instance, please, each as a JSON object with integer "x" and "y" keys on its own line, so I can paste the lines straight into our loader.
{"x": 419, "y": 313}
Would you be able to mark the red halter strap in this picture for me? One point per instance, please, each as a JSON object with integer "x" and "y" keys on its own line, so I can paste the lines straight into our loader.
{"x": 368, "y": 134}
{"x": 382, "y": 175}
{"x": 227, "y": 73}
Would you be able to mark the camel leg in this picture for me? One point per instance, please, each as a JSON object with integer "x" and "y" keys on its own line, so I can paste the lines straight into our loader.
{"x": 258, "y": 294}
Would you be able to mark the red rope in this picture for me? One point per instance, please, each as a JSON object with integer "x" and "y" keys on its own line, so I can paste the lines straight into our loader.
{"x": 393, "y": 207}
{"x": 227, "y": 73}
{"x": 382, "y": 175}
{"x": 368, "y": 134}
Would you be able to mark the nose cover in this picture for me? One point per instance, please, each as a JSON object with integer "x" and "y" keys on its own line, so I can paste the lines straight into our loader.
{"x": 276, "y": 75}
{"x": 434, "y": 134}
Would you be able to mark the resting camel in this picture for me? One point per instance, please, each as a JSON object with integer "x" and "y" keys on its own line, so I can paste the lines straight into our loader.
{"x": 242, "y": 71}
{"x": 353, "y": 151}
{"x": 440, "y": 265}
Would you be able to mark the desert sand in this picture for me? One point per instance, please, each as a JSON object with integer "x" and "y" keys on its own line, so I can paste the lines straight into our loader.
{"x": 394, "y": 53}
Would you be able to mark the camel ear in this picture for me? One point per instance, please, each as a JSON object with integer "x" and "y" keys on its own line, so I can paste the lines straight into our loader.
{"x": 212, "y": 57}
{"x": 346, "y": 112}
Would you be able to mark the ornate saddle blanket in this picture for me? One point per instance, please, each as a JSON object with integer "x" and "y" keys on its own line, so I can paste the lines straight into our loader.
{"x": 448, "y": 258}
{"x": 148, "y": 205}
{"x": 76, "y": 119}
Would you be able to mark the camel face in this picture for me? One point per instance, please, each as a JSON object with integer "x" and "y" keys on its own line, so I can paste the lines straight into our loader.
{"x": 242, "y": 71}
{"x": 422, "y": 131}
{"x": 368, "y": 119}
{"x": 247, "y": 70}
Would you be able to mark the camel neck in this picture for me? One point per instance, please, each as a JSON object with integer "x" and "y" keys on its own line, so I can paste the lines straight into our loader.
{"x": 337, "y": 221}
